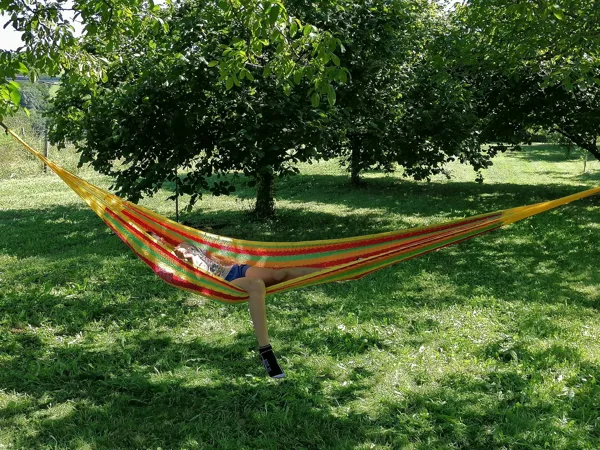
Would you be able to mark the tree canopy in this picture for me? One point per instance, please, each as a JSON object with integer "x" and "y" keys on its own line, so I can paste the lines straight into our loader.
{"x": 161, "y": 108}
{"x": 531, "y": 65}
{"x": 269, "y": 38}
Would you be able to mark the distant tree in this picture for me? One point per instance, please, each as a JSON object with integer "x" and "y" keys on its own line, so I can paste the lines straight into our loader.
{"x": 34, "y": 96}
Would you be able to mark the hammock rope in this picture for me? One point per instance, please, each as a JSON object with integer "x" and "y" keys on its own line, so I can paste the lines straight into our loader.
{"x": 340, "y": 259}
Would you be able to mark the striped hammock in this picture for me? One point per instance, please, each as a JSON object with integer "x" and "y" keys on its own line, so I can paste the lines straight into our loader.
{"x": 339, "y": 259}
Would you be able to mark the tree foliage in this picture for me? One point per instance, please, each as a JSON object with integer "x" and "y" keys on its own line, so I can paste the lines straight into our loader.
{"x": 34, "y": 96}
{"x": 382, "y": 42}
{"x": 532, "y": 65}
{"x": 267, "y": 37}
{"x": 162, "y": 107}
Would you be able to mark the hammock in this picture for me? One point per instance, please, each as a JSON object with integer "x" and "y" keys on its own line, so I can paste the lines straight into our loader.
{"x": 340, "y": 259}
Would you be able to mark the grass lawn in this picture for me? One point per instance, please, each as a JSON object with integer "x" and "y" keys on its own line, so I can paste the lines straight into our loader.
{"x": 489, "y": 344}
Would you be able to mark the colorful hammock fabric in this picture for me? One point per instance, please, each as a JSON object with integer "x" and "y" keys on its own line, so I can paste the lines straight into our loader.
{"x": 339, "y": 259}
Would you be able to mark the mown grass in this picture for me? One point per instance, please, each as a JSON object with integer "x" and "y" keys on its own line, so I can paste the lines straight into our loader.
{"x": 492, "y": 343}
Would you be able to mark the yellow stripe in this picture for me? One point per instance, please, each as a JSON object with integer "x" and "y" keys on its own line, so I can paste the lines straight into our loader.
{"x": 515, "y": 214}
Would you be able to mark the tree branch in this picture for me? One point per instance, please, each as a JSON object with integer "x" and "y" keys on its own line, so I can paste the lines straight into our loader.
{"x": 578, "y": 140}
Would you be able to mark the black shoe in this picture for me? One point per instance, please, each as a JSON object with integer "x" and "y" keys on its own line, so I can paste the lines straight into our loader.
{"x": 270, "y": 362}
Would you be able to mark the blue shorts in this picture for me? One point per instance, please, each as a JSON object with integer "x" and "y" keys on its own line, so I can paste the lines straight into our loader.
{"x": 237, "y": 271}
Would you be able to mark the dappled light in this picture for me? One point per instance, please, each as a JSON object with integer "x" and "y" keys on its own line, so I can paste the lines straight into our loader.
{"x": 396, "y": 204}
{"x": 426, "y": 347}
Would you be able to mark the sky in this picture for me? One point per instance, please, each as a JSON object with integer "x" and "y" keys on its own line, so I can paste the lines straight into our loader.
{"x": 11, "y": 39}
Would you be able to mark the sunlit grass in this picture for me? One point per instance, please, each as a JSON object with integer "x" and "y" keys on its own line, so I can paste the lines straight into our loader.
{"x": 492, "y": 343}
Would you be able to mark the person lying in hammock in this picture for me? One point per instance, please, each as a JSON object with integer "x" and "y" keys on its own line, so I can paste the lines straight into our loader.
{"x": 253, "y": 280}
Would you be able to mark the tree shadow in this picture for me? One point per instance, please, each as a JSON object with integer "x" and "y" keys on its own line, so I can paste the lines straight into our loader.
{"x": 384, "y": 205}
{"x": 547, "y": 153}
{"x": 57, "y": 232}
{"x": 590, "y": 175}
{"x": 138, "y": 394}
{"x": 154, "y": 390}
{"x": 143, "y": 389}
{"x": 500, "y": 409}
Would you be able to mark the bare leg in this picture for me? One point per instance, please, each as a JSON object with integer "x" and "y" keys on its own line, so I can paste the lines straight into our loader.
{"x": 274, "y": 276}
{"x": 256, "y": 303}
{"x": 257, "y": 292}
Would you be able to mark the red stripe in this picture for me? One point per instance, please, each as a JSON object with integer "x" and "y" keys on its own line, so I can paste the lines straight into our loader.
{"x": 310, "y": 250}
{"x": 405, "y": 246}
{"x": 428, "y": 251}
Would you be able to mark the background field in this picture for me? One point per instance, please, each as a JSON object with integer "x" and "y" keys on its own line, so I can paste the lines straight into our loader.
{"x": 492, "y": 343}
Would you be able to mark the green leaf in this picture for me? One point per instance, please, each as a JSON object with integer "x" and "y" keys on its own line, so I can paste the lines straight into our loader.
{"x": 274, "y": 14}
{"x": 104, "y": 77}
{"x": 559, "y": 14}
{"x": 15, "y": 96}
{"x": 335, "y": 59}
{"x": 331, "y": 96}
{"x": 307, "y": 30}
{"x": 213, "y": 63}
{"x": 315, "y": 99}
{"x": 229, "y": 83}
{"x": 343, "y": 76}
{"x": 298, "y": 76}
{"x": 293, "y": 29}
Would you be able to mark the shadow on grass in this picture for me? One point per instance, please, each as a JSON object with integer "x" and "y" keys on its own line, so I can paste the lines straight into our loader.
{"x": 378, "y": 207}
{"x": 150, "y": 390}
{"x": 591, "y": 175}
{"x": 502, "y": 409}
{"x": 547, "y": 153}
{"x": 143, "y": 393}
{"x": 136, "y": 394}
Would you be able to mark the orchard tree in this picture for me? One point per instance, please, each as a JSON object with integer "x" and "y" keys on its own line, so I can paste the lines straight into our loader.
{"x": 532, "y": 65}
{"x": 402, "y": 105}
{"x": 382, "y": 42}
{"x": 560, "y": 40}
{"x": 162, "y": 107}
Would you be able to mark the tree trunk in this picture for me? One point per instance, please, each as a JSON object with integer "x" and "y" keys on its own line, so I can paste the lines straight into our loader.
{"x": 355, "y": 168}
{"x": 265, "y": 203}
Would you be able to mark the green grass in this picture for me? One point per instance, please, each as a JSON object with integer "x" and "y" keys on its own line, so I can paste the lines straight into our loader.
{"x": 490, "y": 344}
